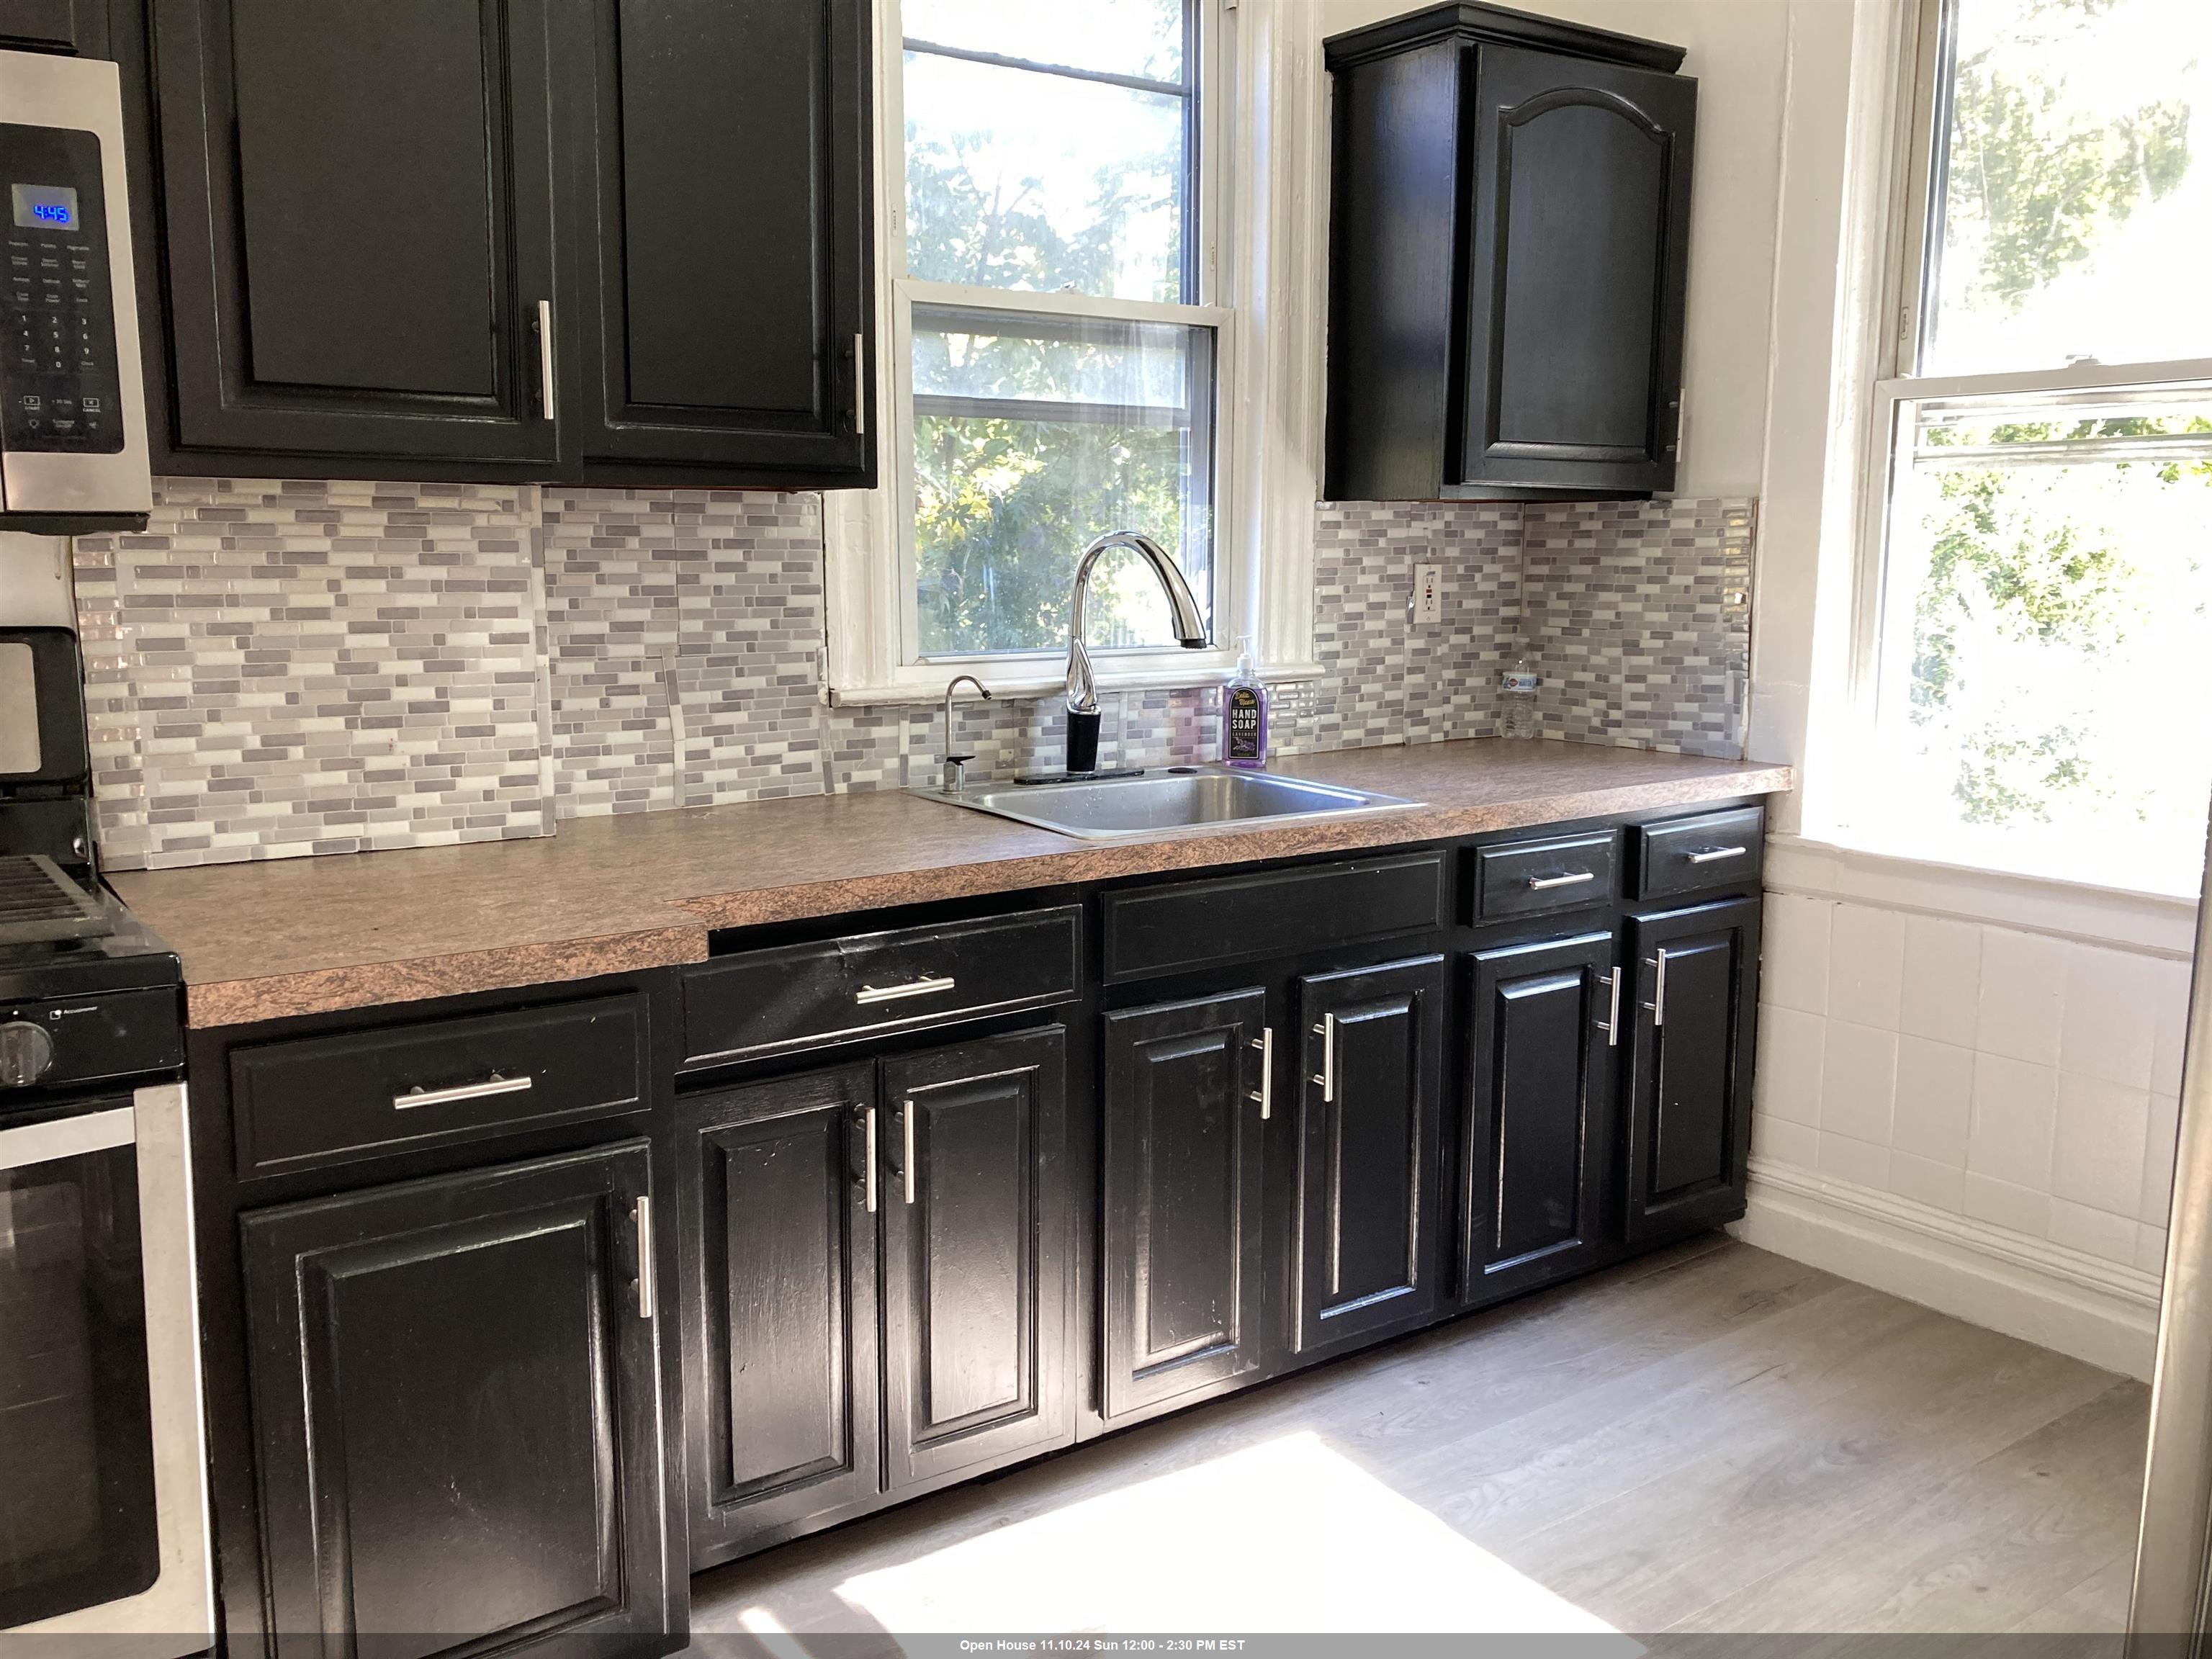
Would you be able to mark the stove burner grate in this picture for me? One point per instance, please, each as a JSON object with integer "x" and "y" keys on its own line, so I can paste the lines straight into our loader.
{"x": 38, "y": 904}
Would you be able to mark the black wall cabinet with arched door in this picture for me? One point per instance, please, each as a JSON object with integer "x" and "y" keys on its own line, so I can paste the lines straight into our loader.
{"x": 1509, "y": 245}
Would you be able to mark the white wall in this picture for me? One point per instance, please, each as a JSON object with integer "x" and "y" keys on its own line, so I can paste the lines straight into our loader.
{"x": 1736, "y": 50}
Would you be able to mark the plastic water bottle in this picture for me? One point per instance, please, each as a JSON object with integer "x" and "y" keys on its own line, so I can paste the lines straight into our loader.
{"x": 1517, "y": 706}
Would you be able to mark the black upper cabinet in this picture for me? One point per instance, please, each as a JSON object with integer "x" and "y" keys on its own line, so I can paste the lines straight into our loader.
{"x": 358, "y": 218}
{"x": 1369, "y": 1124}
{"x": 456, "y": 1409}
{"x": 593, "y": 241}
{"x": 724, "y": 239}
{"x": 1186, "y": 1298}
{"x": 77, "y": 27}
{"x": 1509, "y": 244}
{"x": 1696, "y": 975}
{"x": 1538, "y": 1141}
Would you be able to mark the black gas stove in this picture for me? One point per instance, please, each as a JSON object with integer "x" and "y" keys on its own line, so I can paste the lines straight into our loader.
{"x": 88, "y": 996}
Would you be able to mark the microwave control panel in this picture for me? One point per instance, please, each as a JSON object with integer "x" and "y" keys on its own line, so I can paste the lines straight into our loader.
{"x": 57, "y": 362}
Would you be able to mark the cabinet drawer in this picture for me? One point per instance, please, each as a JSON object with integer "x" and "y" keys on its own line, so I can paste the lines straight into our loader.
{"x": 1711, "y": 851}
{"x": 764, "y": 1002}
{"x": 1536, "y": 878}
{"x": 1202, "y": 924}
{"x": 330, "y": 1100}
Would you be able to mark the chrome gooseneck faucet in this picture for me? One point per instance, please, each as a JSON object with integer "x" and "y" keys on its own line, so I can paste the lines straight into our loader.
{"x": 1082, "y": 689}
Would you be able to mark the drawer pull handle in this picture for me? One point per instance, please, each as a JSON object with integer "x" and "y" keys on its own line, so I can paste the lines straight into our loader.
{"x": 648, "y": 1288}
{"x": 1265, "y": 1042}
{"x": 1715, "y": 855}
{"x": 926, "y": 985}
{"x": 1544, "y": 884}
{"x": 495, "y": 1085}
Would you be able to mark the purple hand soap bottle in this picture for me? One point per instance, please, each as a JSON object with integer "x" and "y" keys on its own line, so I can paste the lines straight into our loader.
{"x": 1244, "y": 713}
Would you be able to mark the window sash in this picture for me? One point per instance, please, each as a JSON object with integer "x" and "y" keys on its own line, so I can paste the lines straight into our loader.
{"x": 1881, "y": 615}
{"x": 1201, "y": 90}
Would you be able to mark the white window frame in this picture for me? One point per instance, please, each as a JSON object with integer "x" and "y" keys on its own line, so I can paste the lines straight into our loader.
{"x": 1262, "y": 147}
{"x": 1875, "y": 611}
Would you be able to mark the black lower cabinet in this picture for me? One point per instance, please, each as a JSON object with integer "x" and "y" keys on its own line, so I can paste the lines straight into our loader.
{"x": 1539, "y": 1125}
{"x": 1370, "y": 1123}
{"x": 817, "y": 1384}
{"x": 457, "y": 1411}
{"x": 978, "y": 1255}
{"x": 1182, "y": 1116}
{"x": 1696, "y": 974}
{"x": 783, "y": 1424}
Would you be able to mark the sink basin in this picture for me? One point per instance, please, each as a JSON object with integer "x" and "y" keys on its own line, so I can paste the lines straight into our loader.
{"x": 1208, "y": 797}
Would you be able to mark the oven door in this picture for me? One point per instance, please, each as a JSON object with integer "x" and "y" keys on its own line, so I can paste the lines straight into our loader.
{"x": 103, "y": 1516}
{"x": 42, "y": 711}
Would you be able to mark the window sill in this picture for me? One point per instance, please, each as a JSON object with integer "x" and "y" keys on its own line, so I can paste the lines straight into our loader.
{"x": 2160, "y": 923}
{"x": 1029, "y": 678}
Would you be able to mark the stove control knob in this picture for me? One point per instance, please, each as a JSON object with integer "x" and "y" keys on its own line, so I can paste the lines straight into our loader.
{"x": 26, "y": 1054}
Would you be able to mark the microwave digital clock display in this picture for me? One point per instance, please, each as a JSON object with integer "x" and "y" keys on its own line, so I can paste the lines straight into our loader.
{"x": 45, "y": 207}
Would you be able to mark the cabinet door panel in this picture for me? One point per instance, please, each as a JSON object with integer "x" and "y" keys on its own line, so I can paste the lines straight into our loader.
{"x": 1581, "y": 200}
{"x": 359, "y": 213}
{"x": 1539, "y": 1119}
{"x": 1368, "y": 1146}
{"x": 779, "y": 1308}
{"x": 977, "y": 1254}
{"x": 730, "y": 187}
{"x": 1184, "y": 1168}
{"x": 456, "y": 1406}
{"x": 1696, "y": 1006}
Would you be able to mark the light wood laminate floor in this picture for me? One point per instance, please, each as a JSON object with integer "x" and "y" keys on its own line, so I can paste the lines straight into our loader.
{"x": 1713, "y": 1438}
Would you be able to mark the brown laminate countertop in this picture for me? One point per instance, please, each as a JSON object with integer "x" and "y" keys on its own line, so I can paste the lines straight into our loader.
{"x": 302, "y": 936}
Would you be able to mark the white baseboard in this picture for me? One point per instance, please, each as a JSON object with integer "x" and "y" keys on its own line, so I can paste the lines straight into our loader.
{"x": 2042, "y": 1292}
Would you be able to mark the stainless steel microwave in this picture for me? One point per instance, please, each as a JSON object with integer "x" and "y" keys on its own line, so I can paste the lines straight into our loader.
{"x": 73, "y": 453}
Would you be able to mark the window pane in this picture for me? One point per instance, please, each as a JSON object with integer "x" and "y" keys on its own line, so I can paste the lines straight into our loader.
{"x": 1018, "y": 179}
{"x": 2072, "y": 217}
{"x": 2048, "y": 614}
{"x": 1033, "y": 436}
{"x": 1114, "y": 36}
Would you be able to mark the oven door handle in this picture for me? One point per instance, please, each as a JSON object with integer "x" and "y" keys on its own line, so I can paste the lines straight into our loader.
{"x": 67, "y": 1137}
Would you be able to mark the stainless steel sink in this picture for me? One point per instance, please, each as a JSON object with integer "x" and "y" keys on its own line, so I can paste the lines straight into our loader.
{"x": 1206, "y": 798}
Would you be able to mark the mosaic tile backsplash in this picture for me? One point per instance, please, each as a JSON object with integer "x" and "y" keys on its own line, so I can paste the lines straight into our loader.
{"x": 285, "y": 668}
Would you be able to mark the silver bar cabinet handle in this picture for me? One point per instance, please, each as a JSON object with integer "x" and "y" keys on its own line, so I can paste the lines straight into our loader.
{"x": 649, "y": 1290}
{"x": 1613, "y": 1016}
{"x": 907, "y": 1113}
{"x": 1265, "y": 1042}
{"x": 1327, "y": 1032}
{"x": 1544, "y": 884}
{"x": 871, "y": 1160}
{"x": 927, "y": 986}
{"x": 1715, "y": 855}
{"x": 545, "y": 358}
{"x": 495, "y": 1085}
{"x": 1659, "y": 996}
{"x": 860, "y": 386}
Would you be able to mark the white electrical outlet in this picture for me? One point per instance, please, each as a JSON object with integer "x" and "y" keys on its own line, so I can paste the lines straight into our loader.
{"x": 1428, "y": 593}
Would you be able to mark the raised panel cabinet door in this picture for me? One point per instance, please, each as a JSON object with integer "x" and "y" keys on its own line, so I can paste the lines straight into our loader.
{"x": 1580, "y": 220}
{"x": 358, "y": 219}
{"x": 1187, "y": 1095}
{"x": 783, "y": 1413}
{"x": 1538, "y": 1144}
{"x": 1370, "y": 1120}
{"x": 457, "y": 1410}
{"x": 977, "y": 1254}
{"x": 727, "y": 190}
{"x": 79, "y": 27}
{"x": 1689, "y": 1104}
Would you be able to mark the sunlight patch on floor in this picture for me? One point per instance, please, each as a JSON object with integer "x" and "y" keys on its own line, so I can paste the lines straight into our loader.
{"x": 1284, "y": 1537}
